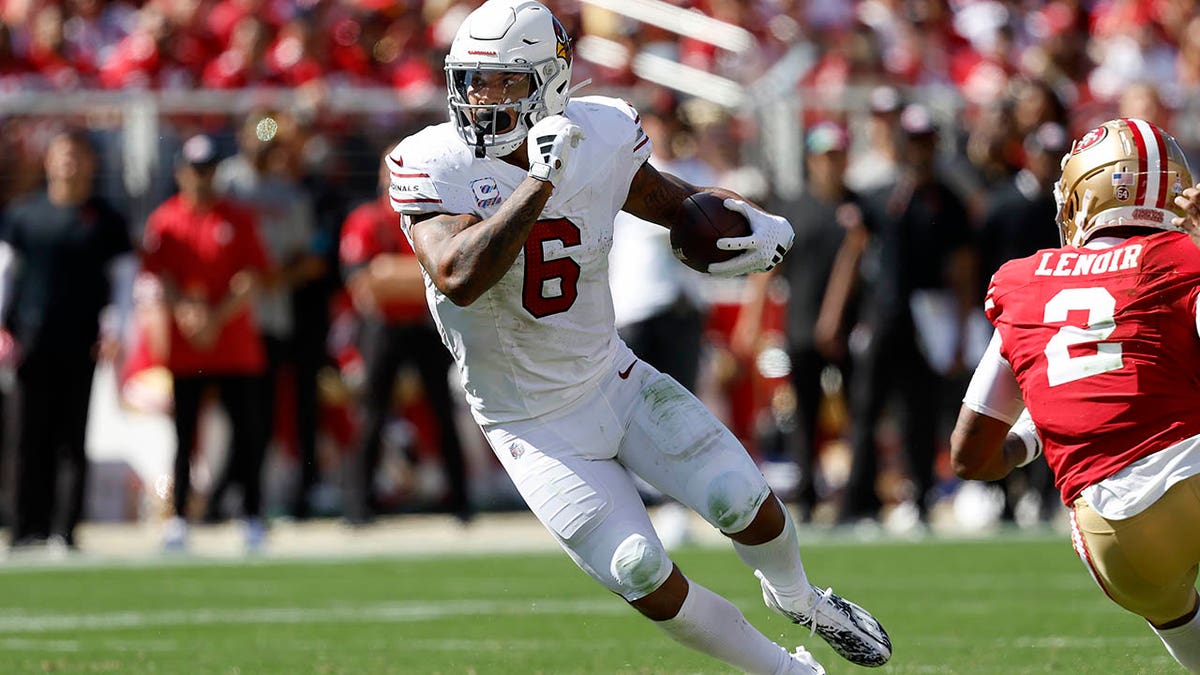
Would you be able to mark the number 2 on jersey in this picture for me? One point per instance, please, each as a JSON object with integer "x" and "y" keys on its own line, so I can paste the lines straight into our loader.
{"x": 1100, "y": 305}
{"x": 539, "y": 271}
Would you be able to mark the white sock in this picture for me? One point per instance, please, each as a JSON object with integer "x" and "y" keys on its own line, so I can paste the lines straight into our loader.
{"x": 711, "y": 624}
{"x": 779, "y": 560}
{"x": 1183, "y": 642}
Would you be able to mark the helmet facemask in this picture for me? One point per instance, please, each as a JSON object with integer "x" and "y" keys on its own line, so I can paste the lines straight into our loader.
{"x": 516, "y": 103}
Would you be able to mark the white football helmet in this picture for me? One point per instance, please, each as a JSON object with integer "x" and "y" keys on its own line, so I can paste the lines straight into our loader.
{"x": 1125, "y": 172}
{"x": 519, "y": 38}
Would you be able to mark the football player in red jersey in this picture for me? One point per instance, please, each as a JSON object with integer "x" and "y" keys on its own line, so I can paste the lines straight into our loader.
{"x": 1096, "y": 361}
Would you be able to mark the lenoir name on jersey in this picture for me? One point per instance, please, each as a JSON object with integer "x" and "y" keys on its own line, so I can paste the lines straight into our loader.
{"x": 1072, "y": 264}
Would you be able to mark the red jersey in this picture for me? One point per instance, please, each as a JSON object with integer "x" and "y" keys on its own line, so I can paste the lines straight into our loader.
{"x": 1104, "y": 345}
{"x": 370, "y": 230}
{"x": 200, "y": 251}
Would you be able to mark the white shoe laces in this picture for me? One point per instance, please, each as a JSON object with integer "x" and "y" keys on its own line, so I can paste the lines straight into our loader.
{"x": 817, "y": 602}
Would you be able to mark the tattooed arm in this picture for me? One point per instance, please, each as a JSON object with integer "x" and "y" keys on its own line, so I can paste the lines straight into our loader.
{"x": 465, "y": 256}
{"x": 658, "y": 197}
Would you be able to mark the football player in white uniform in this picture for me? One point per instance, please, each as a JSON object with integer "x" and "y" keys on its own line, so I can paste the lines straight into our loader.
{"x": 510, "y": 210}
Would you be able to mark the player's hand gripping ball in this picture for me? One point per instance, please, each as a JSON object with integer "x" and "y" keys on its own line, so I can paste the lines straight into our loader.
{"x": 705, "y": 220}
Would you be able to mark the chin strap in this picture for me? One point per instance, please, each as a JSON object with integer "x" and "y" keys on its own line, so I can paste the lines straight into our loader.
{"x": 581, "y": 85}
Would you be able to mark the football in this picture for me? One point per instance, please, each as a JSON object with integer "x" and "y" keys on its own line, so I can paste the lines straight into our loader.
{"x": 705, "y": 220}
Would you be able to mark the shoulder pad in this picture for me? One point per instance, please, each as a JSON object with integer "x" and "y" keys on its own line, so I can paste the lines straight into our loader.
{"x": 613, "y": 121}
{"x": 423, "y": 169}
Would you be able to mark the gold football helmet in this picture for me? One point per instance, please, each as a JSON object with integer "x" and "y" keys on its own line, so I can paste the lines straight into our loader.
{"x": 1125, "y": 172}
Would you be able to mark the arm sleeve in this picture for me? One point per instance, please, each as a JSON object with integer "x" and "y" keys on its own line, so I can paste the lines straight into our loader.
{"x": 993, "y": 390}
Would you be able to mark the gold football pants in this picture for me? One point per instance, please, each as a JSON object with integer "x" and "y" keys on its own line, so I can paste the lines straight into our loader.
{"x": 1146, "y": 564}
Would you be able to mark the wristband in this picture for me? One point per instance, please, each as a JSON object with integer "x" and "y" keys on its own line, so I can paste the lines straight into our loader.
{"x": 540, "y": 171}
{"x": 1028, "y": 433}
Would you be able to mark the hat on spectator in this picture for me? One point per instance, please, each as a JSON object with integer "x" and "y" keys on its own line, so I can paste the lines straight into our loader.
{"x": 198, "y": 151}
{"x": 826, "y": 137}
{"x": 885, "y": 99}
{"x": 916, "y": 120}
{"x": 1050, "y": 138}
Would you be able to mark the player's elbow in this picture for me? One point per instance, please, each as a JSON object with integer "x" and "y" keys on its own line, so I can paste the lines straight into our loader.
{"x": 461, "y": 294}
{"x": 457, "y": 288}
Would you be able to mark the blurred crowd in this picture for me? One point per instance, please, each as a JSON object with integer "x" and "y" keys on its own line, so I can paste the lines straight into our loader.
{"x": 1085, "y": 50}
{"x": 907, "y": 204}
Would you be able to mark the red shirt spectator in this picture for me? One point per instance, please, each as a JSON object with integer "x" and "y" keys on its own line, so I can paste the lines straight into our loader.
{"x": 370, "y": 230}
{"x": 200, "y": 251}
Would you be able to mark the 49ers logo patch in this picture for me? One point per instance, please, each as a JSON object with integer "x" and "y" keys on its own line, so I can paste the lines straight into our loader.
{"x": 1089, "y": 139}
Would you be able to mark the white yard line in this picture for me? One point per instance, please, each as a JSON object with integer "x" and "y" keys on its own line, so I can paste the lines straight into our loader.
{"x": 20, "y": 623}
{"x": 43, "y": 645}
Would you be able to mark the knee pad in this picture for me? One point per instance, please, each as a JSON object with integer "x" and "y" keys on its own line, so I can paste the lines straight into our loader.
{"x": 733, "y": 500}
{"x": 639, "y": 567}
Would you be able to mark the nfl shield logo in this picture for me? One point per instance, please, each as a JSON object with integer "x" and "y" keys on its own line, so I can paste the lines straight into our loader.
{"x": 516, "y": 449}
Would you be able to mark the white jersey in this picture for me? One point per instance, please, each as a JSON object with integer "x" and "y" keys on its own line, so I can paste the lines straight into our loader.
{"x": 544, "y": 334}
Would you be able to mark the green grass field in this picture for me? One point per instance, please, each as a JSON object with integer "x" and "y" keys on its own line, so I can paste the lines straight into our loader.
{"x": 1006, "y": 606}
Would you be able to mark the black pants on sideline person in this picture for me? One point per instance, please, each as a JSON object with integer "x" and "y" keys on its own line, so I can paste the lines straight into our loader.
{"x": 310, "y": 309}
{"x": 54, "y": 390}
{"x": 282, "y": 354}
{"x": 386, "y": 347}
{"x": 239, "y": 396}
{"x": 891, "y": 369}
{"x": 306, "y": 367}
{"x": 266, "y": 388}
{"x": 808, "y": 365}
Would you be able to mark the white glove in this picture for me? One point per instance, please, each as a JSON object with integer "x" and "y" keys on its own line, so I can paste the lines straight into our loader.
{"x": 770, "y": 239}
{"x": 549, "y": 143}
